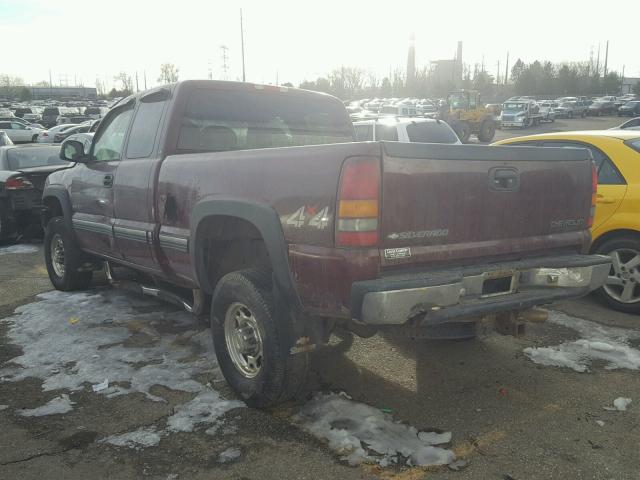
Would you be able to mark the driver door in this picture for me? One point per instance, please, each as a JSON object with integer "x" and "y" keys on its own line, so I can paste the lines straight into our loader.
{"x": 91, "y": 189}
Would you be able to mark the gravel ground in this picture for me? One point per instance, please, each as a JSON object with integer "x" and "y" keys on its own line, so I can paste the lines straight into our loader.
{"x": 509, "y": 418}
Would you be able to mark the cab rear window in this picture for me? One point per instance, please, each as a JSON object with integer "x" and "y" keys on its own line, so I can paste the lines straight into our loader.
{"x": 217, "y": 120}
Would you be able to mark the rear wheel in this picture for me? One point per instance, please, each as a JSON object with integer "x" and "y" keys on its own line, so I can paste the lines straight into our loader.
{"x": 63, "y": 258}
{"x": 487, "y": 131}
{"x": 251, "y": 341}
{"x": 622, "y": 289}
{"x": 570, "y": 115}
{"x": 34, "y": 139}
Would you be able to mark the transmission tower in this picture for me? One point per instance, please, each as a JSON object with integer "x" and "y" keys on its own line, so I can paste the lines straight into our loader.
{"x": 225, "y": 61}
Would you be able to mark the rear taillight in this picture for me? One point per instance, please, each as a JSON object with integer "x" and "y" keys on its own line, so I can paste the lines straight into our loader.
{"x": 594, "y": 192}
{"x": 358, "y": 203}
{"x": 17, "y": 183}
{"x": 45, "y": 134}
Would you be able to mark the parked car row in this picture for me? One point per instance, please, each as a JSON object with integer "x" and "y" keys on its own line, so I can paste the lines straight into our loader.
{"x": 51, "y": 115}
{"x": 570, "y": 107}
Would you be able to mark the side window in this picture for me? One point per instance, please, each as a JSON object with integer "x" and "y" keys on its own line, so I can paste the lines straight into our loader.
{"x": 109, "y": 145}
{"x": 607, "y": 173}
{"x": 144, "y": 129}
{"x": 364, "y": 133}
{"x": 5, "y": 125}
{"x": 387, "y": 132}
{"x": 17, "y": 126}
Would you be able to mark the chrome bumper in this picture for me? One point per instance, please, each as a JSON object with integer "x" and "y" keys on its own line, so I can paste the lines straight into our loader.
{"x": 464, "y": 297}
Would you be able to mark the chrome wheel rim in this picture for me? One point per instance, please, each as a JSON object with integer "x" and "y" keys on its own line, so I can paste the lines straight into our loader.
{"x": 623, "y": 283}
{"x": 57, "y": 255}
{"x": 243, "y": 340}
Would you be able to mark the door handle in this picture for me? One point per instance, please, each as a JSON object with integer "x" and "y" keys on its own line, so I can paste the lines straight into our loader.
{"x": 603, "y": 199}
{"x": 107, "y": 181}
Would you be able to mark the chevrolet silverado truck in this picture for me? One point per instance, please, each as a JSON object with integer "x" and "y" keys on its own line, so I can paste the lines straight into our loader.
{"x": 256, "y": 204}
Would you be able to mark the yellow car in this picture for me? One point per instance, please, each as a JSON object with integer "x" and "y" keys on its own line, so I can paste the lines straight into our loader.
{"x": 616, "y": 226}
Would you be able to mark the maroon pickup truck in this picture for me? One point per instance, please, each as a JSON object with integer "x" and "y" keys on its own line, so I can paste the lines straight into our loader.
{"x": 255, "y": 200}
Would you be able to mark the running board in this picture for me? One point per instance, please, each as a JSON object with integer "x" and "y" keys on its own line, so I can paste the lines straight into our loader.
{"x": 161, "y": 294}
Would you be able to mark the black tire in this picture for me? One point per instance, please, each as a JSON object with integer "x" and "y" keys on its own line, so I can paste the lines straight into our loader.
{"x": 73, "y": 258}
{"x": 34, "y": 139}
{"x": 570, "y": 115}
{"x": 619, "y": 243}
{"x": 487, "y": 131}
{"x": 281, "y": 375}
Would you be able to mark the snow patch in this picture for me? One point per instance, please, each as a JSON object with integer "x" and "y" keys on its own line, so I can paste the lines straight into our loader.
{"x": 117, "y": 350}
{"x": 3, "y": 407}
{"x": 229, "y": 455}
{"x": 602, "y": 343}
{"x": 141, "y": 438}
{"x": 57, "y": 405}
{"x": 620, "y": 404}
{"x": 206, "y": 408}
{"x": 16, "y": 249}
{"x": 361, "y": 433}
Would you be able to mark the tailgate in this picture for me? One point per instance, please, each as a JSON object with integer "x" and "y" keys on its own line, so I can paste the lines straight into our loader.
{"x": 457, "y": 203}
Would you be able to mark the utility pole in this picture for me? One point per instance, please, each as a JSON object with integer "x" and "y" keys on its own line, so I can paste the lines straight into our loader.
{"x": 598, "y": 61}
{"x": 498, "y": 74}
{"x": 506, "y": 71}
{"x": 244, "y": 78}
{"x": 606, "y": 59}
{"x": 144, "y": 72}
{"x": 137, "y": 88}
{"x": 225, "y": 65}
{"x": 50, "y": 84}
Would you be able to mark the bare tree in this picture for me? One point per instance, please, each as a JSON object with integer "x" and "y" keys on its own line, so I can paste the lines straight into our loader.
{"x": 168, "y": 73}
{"x": 125, "y": 80}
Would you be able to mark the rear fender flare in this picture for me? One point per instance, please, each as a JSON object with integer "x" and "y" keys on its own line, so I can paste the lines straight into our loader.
{"x": 266, "y": 221}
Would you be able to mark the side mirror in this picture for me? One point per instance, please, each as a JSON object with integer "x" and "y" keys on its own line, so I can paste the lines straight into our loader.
{"x": 73, "y": 151}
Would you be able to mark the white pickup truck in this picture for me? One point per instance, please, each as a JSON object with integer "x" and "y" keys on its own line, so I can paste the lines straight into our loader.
{"x": 399, "y": 129}
{"x": 520, "y": 113}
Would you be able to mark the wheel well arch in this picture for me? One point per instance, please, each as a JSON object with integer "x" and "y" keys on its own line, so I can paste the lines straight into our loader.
{"x": 232, "y": 234}
{"x": 605, "y": 237}
{"x": 56, "y": 203}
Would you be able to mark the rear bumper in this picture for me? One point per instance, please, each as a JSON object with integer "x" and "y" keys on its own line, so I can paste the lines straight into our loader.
{"x": 441, "y": 296}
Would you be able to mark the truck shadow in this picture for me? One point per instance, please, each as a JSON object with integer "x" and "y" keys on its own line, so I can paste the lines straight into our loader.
{"x": 430, "y": 384}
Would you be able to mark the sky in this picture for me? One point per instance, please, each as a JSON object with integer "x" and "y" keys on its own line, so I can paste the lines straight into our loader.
{"x": 79, "y": 41}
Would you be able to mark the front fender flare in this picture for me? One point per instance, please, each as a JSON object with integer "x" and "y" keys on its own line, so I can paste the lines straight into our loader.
{"x": 60, "y": 193}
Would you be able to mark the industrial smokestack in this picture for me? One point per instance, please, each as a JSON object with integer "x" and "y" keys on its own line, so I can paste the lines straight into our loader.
{"x": 411, "y": 60}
